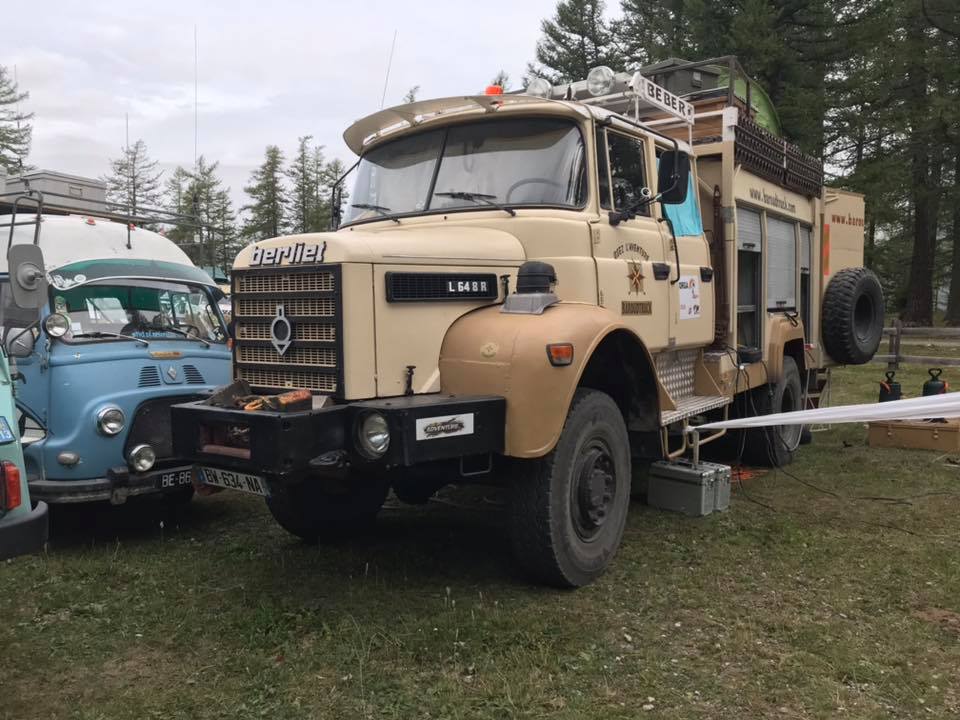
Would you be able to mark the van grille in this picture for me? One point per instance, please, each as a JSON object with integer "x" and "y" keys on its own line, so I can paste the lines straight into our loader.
{"x": 311, "y": 302}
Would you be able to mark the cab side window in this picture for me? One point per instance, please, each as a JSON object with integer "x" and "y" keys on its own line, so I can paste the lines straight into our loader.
{"x": 627, "y": 172}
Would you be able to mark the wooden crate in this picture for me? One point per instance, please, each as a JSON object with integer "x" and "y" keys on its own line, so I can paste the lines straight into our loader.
{"x": 916, "y": 434}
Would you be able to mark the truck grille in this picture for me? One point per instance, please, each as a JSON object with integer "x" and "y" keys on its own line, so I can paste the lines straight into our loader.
{"x": 311, "y": 302}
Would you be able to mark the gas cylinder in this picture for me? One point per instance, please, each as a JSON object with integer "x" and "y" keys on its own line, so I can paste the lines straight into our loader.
{"x": 889, "y": 388}
{"x": 935, "y": 386}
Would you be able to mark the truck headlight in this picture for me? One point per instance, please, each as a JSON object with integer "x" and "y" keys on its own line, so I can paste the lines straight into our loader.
{"x": 110, "y": 420}
{"x": 373, "y": 435}
{"x": 142, "y": 458}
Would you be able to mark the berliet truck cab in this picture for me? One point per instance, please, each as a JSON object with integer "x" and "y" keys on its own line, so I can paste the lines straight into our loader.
{"x": 129, "y": 327}
{"x": 546, "y": 290}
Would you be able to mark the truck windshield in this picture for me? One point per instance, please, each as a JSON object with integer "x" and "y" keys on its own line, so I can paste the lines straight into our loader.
{"x": 144, "y": 310}
{"x": 524, "y": 162}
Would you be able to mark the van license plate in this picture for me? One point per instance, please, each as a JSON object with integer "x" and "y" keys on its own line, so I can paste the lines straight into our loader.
{"x": 233, "y": 480}
{"x": 175, "y": 478}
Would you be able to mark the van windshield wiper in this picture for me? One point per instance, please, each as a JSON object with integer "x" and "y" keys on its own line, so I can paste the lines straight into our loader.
{"x": 490, "y": 200}
{"x": 101, "y": 334}
{"x": 385, "y": 211}
{"x": 168, "y": 328}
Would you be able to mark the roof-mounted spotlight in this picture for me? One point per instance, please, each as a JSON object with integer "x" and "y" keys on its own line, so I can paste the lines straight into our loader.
{"x": 600, "y": 81}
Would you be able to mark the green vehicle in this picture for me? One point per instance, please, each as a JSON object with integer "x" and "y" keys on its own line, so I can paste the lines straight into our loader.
{"x": 23, "y": 526}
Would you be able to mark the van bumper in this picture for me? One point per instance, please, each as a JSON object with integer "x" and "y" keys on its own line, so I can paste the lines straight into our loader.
{"x": 26, "y": 533}
{"x": 116, "y": 487}
{"x": 423, "y": 428}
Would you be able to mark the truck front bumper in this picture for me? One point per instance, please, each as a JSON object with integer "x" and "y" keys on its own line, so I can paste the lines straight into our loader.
{"x": 24, "y": 534}
{"x": 118, "y": 485}
{"x": 423, "y": 428}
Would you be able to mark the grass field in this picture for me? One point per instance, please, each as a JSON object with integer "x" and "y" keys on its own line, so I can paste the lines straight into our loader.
{"x": 833, "y": 591}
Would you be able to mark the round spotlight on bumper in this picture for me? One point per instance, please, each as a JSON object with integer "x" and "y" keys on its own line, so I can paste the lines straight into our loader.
{"x": 110, "y": 420}
{"x": 373, "y": 435}
{"x": 141, "y": 458}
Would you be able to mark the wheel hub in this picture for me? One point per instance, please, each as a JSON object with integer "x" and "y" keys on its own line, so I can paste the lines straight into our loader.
{"x": 593, "y": 491}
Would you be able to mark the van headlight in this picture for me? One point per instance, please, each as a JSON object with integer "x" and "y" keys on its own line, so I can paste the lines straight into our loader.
{"x": 373, "y": 435}
{"x": 56, "y": 325}
{"x": 142, "y": 458}
{"x": 110, "y": 420}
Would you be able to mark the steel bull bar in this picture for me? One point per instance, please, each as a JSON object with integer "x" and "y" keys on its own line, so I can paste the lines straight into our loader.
{"x": 423, "y": 428}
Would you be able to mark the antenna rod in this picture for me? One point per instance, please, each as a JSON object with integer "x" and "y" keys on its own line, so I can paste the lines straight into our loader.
{"x": 386, "y": 80}
{"x": 196, "y": 95}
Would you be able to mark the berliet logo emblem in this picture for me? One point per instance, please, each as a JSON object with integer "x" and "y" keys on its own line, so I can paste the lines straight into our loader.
{"x": 281, "y": 332}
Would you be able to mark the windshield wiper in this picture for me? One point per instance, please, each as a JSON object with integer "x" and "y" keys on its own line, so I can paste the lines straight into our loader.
{"x": 167, "y": 328}
{"x": 385, "y": 211}
{"x": 490, "y": 200}
{"x": 101, "y": 333}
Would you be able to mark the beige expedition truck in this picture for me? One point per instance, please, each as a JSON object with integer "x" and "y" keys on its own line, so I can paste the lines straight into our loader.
{"x": 546, "y": 290}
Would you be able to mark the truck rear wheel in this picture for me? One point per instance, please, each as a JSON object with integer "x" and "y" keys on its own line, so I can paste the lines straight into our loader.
{"x": 568, "y": 508}
{"x": 774, "y": 446}
{"x": 312, "y": 512}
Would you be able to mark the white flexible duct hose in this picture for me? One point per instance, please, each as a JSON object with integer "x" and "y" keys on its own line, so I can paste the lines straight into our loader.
{"x": 921, "y": 408}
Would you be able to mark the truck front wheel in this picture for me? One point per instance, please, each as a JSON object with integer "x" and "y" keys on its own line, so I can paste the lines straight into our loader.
{"x": 568, "y": 508}
{"x": 314, "y": 512}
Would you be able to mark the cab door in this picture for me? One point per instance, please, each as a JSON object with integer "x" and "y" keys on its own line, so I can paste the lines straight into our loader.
{"x": 633, "y": 271}
{"x": 691, "y": 286}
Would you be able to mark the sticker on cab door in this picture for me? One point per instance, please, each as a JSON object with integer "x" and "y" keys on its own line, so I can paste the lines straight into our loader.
{"x": 433, "y": 428}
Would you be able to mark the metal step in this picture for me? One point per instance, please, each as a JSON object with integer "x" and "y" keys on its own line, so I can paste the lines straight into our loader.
{"x": 693, "y": 405}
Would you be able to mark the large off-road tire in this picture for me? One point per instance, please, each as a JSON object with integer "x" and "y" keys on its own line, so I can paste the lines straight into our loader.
{"x": 774, "y": 446}
{"x": 852, "y": 316}
{"x": 568, "y": 508}
{"x": 312, "y": 512}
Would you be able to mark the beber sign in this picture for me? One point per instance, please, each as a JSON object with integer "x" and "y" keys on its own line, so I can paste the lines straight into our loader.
{"x": 657, "y": 96}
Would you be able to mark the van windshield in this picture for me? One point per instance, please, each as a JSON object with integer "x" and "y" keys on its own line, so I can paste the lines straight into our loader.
{"x": 145, "y": 310}
{"x": 515, "y": 163}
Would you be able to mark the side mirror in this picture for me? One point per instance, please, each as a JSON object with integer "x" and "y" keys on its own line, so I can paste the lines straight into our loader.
{"x": 20, "y": 342}
{"x": 28, "y": 282}
{"x": 336, "y": 208}
{"x": 673, "y": 177}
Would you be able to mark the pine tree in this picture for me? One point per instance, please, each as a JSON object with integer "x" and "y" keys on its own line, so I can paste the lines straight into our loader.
{"x": 269, "y": 202}
{"x": 577, "y": 39}
{"x": 134, "y": 180}
{"x": 15, "y": 128}
{"x": 178, "y": 204}
{"x": 502, "y": 78}
{"x": 332, "y": 172}
{"x": 304, "y": 174}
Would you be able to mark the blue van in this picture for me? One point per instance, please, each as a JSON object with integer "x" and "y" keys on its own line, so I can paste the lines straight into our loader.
{"x": 130, "y": 327}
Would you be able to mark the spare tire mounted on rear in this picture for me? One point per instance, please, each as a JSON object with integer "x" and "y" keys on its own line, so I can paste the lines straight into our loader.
{"x": 853, "y": 316}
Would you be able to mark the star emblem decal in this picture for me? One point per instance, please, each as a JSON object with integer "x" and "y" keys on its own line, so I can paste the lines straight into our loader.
{"x": 635, "y": 276}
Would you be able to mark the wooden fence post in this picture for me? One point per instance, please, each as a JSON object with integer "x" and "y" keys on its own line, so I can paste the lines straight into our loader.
{"x": 894, "y": 348}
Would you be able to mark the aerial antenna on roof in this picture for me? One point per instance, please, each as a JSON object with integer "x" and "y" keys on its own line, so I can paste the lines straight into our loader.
{"x": 196, "y": 96}
{"x": 386, "y": 80}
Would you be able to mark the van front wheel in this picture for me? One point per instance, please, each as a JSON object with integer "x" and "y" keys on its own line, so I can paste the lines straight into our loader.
{"x": 568, "y": 508}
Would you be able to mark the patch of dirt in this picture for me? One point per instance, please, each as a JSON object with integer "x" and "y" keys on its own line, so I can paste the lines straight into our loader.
{"x": 947, "y": 619}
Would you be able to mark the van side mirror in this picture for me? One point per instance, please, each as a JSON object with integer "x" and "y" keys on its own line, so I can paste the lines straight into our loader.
{"x": 673, "y": 177}
{"x": 28, "y": 282}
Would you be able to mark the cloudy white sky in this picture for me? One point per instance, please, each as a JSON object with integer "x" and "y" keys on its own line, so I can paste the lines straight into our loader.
{"x": 268, "y": 71}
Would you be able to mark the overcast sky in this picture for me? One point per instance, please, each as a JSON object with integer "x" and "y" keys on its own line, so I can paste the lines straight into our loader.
{"x": 268, "y": 72}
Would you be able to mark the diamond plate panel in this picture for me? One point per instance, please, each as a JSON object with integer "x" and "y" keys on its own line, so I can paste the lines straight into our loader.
{"x": 675, "y": 370}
